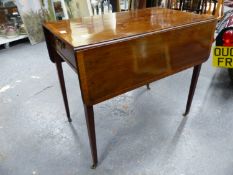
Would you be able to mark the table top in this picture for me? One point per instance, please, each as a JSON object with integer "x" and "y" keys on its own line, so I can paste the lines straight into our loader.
{"x": 89, "y": 32}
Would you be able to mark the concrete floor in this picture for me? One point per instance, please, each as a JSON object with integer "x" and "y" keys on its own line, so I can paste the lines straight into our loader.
{"x": 138, "y": 133}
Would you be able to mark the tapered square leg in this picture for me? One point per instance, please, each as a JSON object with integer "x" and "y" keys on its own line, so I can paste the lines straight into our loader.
{"x": 89, "y": 114}
{"x": 58, "y": 63}
{"x": 148, "y": 86}
{"x": 196, "y": 72}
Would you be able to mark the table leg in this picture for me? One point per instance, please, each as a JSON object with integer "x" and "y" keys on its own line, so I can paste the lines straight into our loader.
{"x": 7, "y": 45}
{"x": 196, "y": 72}
{"x": 63, "y": 87}
{"x": 148, "y": 86}
{"x": 89, "y": 114}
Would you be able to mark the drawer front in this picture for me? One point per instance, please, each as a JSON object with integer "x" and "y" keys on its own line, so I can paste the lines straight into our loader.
{"x": 66, "y": 52}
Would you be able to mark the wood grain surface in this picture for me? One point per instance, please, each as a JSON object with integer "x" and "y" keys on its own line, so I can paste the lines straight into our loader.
{"x": 89, "y": 32}
{"x": 111, "y": 70}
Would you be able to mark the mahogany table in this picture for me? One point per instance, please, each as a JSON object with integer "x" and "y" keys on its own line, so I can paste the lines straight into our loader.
{"x": 118, "y": 52}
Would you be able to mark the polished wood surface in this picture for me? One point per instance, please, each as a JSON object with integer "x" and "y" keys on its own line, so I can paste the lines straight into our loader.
{"x": 88, "y": 32}
{"x": 111, "y": 70}
{"x": 115, "y": 53}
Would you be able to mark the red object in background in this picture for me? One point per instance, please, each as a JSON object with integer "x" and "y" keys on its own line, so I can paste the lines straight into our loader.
{"x": 227, "y": 38}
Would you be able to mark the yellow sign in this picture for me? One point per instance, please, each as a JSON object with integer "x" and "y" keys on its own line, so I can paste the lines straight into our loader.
{"x": 223, "y": 57}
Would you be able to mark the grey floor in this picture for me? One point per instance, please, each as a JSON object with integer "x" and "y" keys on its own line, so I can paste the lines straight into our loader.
{"x": 139, "y": 133}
